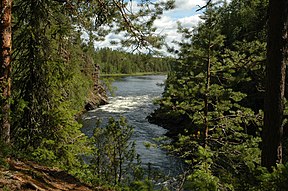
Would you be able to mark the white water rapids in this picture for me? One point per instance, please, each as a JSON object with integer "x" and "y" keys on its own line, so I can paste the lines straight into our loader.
{"x": 134, "y": 100}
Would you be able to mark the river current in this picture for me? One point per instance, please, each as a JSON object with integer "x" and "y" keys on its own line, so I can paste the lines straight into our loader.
{"x": 133, "y": 99}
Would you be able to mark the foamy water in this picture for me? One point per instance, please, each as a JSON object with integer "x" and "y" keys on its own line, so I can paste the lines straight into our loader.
{"x": 134, "y": 100}
{"x": 120, "y": 104}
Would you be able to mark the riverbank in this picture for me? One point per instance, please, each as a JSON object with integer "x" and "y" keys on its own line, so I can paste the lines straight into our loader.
{"x": 133, "y": 99}
{"x": 173, "y": 125}
{"x": 134, "y": 74}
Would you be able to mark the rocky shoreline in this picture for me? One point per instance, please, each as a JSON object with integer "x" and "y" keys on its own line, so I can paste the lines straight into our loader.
{"x": 97, "y": 97}
{"x": 173, "y": 125}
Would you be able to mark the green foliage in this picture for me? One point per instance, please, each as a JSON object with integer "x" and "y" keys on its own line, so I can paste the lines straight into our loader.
{"x": 232, "y": 85}
{"x": 244, "y": 20}
{"x": 119, "y": 62}
{"x": 52, "y": 77}
{"x": 100, "y": 18}
{"x": 277, "y": 180}
{"x": 47, "y": 79}
{"x": 52, "y": 71}
{"x": 5, "y": 151}
{"x": 52, "y": 67}
{"x": 202, "y": 178}
{"x": 114, "y": 159}
{"x": 65, "y": 147}
{"x": 50, "y": 64}
{"x": 6, "y": 188}
{"x": 145, "y": 185}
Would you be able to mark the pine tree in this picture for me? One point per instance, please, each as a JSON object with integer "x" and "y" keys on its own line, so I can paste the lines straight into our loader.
{"x": 114, "y": 157}
{"x": 193, "y": 99}
{"x": 277, "y": 45}
{"x": 5, "y": 70}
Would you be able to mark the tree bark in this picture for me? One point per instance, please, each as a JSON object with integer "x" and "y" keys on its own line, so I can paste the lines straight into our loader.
{"x": 5, "y": 69}
{"x": 275, "y": 83}
{"x": 206, "y": 98}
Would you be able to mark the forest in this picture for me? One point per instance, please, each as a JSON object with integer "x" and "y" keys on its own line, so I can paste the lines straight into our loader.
{"x": 224, "y": 102}
{"x": 120, "y": 62}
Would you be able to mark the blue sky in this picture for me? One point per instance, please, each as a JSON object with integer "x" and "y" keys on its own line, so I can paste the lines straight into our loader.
{"x": 184, "y": 12}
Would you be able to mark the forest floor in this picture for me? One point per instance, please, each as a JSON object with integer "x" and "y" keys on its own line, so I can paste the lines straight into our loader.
{"x": 28, "y": 176}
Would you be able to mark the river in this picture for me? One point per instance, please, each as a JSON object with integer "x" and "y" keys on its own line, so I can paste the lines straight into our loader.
{"x": 133, "y": 99}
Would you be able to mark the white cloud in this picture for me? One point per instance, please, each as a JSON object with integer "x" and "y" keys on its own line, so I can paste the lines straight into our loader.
{"x": 167, "y": 25}
{"x": 188, "y": 4}
{"x": 133, "y": 6}
{"x": 107, "y": 41}
{"x": 184, "y": 13}
{"x": 191, "y": 21}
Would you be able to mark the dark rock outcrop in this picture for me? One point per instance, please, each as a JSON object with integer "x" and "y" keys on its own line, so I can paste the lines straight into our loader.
{"x": 98, "y": 95}
{"x": 175, "y": 124}
{"x": 96, "y": 98}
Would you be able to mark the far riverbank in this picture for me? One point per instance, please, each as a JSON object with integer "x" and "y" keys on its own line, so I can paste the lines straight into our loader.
{"x": 133, "y": 74}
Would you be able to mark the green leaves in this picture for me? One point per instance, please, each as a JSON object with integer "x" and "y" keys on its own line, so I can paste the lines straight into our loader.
{"x": 214, "y": 93}
{"x": 277, "y": 180}
{"x": 202, "y": 178}
{"x": 114, "y": 158}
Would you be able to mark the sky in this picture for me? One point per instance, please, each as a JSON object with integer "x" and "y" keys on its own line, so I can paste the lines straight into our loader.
{"x": 184, "y": 12}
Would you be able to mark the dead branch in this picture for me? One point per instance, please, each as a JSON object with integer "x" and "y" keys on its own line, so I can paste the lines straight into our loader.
{"x": 203, "y": 7}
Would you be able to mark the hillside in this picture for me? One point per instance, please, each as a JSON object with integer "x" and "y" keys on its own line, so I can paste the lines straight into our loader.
{"x": 26, "y": 176}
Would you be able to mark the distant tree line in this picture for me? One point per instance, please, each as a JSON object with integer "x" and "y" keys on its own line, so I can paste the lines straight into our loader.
{"x": 120, "y": 62}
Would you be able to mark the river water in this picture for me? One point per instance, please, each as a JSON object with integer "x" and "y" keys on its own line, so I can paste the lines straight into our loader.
{"x": 133, "y": 99}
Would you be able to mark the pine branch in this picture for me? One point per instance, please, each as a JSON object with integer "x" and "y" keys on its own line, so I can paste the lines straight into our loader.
{"x": 203, "y": 7}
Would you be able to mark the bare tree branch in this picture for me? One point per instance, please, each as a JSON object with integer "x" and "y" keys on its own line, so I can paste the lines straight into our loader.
{"x": 203, "y": 7}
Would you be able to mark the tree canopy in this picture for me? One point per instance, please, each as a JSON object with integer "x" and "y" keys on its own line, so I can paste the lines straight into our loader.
{"x": 214, "y": 97}
{"x": 225, "y": 120}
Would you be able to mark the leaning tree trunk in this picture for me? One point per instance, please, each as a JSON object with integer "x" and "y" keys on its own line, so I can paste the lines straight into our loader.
{"x": 275, "y": 83}
{"x": 5, "y": 69}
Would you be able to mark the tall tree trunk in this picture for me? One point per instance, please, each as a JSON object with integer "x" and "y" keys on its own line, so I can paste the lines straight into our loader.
{"x": 208, "y": 76}
{"x": 5, "y": 69}
{"x": 206, "y": 98}
{"x": 275, "y": 83}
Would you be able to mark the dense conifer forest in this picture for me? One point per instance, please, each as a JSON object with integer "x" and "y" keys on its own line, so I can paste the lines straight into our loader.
{"x": 213, "y": 101}
{"x": 224, "y": 103}
{"x": 119, "y": 62}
